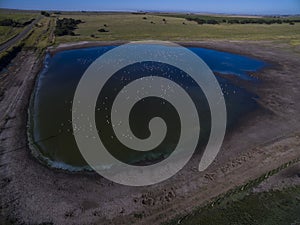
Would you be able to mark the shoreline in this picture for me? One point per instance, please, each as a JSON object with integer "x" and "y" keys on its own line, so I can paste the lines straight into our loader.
{"x": 247, "y": 152}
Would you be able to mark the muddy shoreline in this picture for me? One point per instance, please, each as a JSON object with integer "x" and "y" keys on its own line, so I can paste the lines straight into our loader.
{"x": 33, "y": 193}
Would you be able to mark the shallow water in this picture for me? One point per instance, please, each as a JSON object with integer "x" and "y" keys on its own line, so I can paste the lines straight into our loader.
{"x": 50, "y": 127}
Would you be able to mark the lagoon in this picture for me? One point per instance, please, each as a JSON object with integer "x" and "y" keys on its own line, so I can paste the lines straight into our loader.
{"x": 50, "y": 114}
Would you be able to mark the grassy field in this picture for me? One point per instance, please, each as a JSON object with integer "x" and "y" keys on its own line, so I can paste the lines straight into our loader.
{"x": 139, "y": 27}
{"x": 129, "y": 27}
{"x": 7, "y": 32}
{"x": 268, "y": 208}
{"x": 20, "y": 17}
{"x": 39, "y": 38}
{"x": 42, "y": 35}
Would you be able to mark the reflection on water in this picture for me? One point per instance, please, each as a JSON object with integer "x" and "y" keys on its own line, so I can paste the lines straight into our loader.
{"x": 50, "y": 125}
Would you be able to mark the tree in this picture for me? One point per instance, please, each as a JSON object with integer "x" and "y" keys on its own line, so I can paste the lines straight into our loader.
{"x": 44, "y": 13}
{"x": 66, "y": 26}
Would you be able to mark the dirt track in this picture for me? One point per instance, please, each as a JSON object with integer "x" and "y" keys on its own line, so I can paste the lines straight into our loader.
{"x": 262, "y": 141}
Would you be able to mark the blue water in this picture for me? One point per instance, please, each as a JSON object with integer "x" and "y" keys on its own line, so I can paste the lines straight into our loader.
{"x": 228, "y": 63}
{"x": 50, "y": 128}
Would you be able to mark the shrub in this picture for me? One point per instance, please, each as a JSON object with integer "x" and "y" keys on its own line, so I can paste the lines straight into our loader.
{"x": 44, "y": 13}
{"x": 8, "y": 55}
{"x": 102, "y": 30}
{"x": 28, "y": 22}
{"x": 202, "y": 20}
{"x": 212, "y": 22}
{"x": 10, "y": 23}
{"x": 233, "y": 21}
{"x": 66, "y": 26}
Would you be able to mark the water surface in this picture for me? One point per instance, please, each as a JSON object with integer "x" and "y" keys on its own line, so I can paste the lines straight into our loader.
{"x": 50, "y": 127}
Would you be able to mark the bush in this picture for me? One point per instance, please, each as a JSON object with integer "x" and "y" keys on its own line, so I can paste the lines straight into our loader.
{"x": 10, "y": 23}
{"x": 269, "y": 21}
{"x": 102, "y": 30}
{"x": 8, "y": 55}
{"x": 28, "y": 22}
{"x": 212, "y": 22}
{"x": 44, "y": 13}
{"x": 233, "y": 21}
{"x": 13, "y": 23}
{"x": 66, "y": 26}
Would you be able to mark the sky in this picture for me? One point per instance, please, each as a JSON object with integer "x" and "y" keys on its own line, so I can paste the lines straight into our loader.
{"x": 209, "y": 6}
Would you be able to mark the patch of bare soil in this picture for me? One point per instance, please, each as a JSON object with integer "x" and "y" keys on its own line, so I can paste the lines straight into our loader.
{"x": 264, "y": 140}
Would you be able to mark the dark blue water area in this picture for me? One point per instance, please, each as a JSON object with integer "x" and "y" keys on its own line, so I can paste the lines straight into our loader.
{"x": 228, "y": 63}
{"x": 50, "y": 111}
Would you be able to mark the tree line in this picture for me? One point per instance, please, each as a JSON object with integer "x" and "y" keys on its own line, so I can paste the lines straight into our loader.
{"x": 243, "y": 21}
{"x": 14, "y": 23}
{"x": 66, "y": 26}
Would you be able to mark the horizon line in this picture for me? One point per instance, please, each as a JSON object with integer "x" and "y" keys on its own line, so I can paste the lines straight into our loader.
{"x": 158, "y": 11}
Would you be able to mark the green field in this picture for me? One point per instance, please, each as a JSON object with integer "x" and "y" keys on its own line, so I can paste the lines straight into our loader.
{"x": 8, "y": 32}
{"x": 38, "y": 38}
{"x": 130, "y": 27}
{"x": 41, "y": 35}
{"x": 125, "y": 26}
{"x": 268, "y": 208}
{"x": 20, "y": 17}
